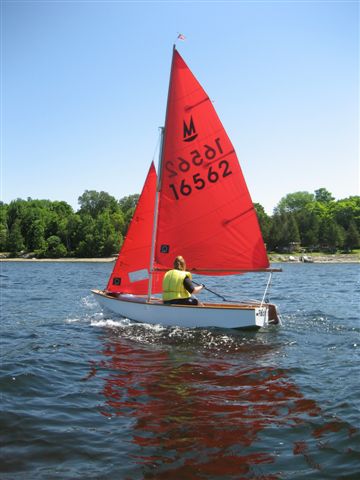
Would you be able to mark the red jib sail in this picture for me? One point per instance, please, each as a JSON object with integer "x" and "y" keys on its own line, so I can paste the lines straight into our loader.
{"x": 131, "y": 270}
{"x": 205, "y": 210}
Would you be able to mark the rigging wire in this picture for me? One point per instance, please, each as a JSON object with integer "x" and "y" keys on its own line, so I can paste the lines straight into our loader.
{"x": 157, "y": 146}
{"x": 266, "y": 290}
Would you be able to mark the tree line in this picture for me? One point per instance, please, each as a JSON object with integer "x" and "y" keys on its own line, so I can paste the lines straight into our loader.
{"x": 314, "y": 221}
{"x": 52, "y": 229}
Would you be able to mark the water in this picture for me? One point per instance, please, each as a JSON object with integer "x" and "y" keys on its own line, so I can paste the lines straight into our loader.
{"x": 86, "y": 395}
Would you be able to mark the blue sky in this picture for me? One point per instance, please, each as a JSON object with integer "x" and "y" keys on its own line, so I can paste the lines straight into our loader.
{"x": 84, "y": 86}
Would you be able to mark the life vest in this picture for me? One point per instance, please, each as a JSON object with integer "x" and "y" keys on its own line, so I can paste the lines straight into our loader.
{"x": 173, "y": 285}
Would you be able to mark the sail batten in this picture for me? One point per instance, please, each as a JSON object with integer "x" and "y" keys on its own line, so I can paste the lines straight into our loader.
{"x": 190, "y": 107}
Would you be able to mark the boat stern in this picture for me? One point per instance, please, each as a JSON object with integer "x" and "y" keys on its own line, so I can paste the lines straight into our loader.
{"x": 266, "y": 315}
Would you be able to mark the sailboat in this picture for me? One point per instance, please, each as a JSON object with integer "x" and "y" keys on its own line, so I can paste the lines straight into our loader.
{"x": 197, "y": 206}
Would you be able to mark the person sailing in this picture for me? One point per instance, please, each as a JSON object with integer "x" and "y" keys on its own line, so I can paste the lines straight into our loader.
{"x": 178, "y": 286}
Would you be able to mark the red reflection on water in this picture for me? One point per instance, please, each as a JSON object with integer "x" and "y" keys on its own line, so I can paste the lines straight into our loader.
{"x": 196, "y": 420}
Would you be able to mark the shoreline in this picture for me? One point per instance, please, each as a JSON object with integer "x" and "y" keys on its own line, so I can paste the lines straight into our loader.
{"x": 315, "y": 258}
{"x": 273, "y": 258}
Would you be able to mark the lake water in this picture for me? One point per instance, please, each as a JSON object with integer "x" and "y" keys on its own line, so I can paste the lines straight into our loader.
{"x": 86, "y": 395}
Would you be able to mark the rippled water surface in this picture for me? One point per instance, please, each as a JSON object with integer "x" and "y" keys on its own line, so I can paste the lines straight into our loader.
{"x": 87, "y": 395}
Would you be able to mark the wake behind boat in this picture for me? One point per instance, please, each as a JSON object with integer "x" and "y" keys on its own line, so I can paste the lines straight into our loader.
{"x": 197, "y": 206}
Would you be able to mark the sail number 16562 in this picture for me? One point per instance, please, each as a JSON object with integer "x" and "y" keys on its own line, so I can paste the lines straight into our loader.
{"x": 199, "y": 182}
{"x": 217, "y": 168}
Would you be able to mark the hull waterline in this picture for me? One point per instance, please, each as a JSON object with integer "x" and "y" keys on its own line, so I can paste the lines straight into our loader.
{"x": 233, "y": 316}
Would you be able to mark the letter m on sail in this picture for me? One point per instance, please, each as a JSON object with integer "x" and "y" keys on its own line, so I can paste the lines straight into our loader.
{"x": 189, "y": 131}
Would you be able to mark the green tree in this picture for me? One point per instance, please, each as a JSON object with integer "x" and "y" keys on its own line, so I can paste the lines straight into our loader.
{"x": 16, "y": 240}
{"x": 87, "y": 246}
{"x": 129, "y": 202}
{"x": 275, "y": 234}
{"x": 3, "y": 212}
{"x": 3, "y": 237}
{"x": 55, "y": 249}
{"x": 331, "y": 235}
{"x": 323, "y": 196}
{"x": 93, "y": 203}
{"x": 36, "y": 236}
{"x": 352, "y": 237}
{"x": 15, "y": 211}
{"x": 73, "y": 233}
{"x": 3, "y": 226}
{"x": 293, "y": 202}
{"x": 118, "y": 221}
{"x": 264, "y": 221}
{"x": 347, "y": 211}
{"x": 308, "y": 223}
{"x": 56, "y": 219}
{"x": 107, "y": 241}
{"x": 284, "y": 231}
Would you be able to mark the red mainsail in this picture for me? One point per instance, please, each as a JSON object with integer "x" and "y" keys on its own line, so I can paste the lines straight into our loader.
{"x": 131, "y": 270}
{"x": 205, "y": 210}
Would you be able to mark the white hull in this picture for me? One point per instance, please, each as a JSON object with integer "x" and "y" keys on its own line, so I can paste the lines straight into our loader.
{"x": 209, "y": 315}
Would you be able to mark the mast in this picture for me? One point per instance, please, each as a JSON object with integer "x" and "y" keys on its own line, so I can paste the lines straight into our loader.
{"x": 158, "y": 189}
{"x": 161, "y": 156}
{"x": 156, "y": 209}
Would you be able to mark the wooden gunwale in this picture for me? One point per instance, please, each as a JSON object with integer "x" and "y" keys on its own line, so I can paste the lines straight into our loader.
{"x": 158, "y": 302}
{"x": 228, "y": 272}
